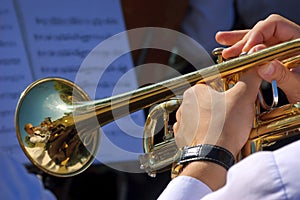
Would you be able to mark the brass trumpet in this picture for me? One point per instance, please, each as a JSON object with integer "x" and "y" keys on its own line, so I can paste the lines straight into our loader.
{"x": 66, "y": 116}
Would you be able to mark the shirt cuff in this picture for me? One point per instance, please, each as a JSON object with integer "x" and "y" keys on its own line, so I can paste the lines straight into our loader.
{"x": 185, "y": 187}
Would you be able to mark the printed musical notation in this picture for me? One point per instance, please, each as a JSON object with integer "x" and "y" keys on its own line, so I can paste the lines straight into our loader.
{"x": 53, "y": 39}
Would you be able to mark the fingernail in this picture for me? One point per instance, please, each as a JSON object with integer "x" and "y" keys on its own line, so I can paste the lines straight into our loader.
{"x": 267, "y": 70}
{"x": 245, "y": 48}
{"x": 244, "y": 53}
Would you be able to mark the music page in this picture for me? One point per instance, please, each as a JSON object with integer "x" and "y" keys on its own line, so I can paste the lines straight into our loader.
{"x": 81, "y": 41}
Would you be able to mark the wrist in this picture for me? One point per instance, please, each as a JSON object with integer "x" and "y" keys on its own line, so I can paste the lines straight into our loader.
{"x": 211, "y": 174}
{"x": 233, "y": 145}
{"x": 224, "y": 142}
{"x": 207, "y": 163}
{"x": 231, "y": 148}
{"x": 207, "y": 152}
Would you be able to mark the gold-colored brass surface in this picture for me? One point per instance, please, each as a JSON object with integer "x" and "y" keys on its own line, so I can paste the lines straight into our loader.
{"x": 72, "y": 111}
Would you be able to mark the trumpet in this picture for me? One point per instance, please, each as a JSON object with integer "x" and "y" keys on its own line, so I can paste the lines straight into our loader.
{"x": 72, "y": 138}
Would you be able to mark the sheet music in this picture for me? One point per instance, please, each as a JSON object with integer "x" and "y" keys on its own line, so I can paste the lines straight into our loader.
{"x": 57, "y": 36}
{"x": 15, "y": 75}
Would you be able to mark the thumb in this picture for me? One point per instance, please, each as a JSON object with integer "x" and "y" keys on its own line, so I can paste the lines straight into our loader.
{"x": 248, "y": 86}
{"x": 286, "y": 80}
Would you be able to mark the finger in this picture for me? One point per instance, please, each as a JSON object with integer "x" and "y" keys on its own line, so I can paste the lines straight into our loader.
{"x": 247, "y": 87}
{"x": 286, "y": 80}
{"x": 237, "y": 49}
{"x": 229, "y": 38}
{"x": 257, "y": 48}
{"x": 175, "y": 128}
{"x": 273, "y": 30}
{"x": 235, "y": 39}
{"x": 178, "y": 114}
{"x": 178, "y": 119}
{"x": 233, "y": 51}
{"x": 256, "y": 36}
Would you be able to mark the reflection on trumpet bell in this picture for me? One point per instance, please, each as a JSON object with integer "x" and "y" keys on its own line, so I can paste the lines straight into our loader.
{"x": 62, "y": 150}
{"x": 48, "y": 133}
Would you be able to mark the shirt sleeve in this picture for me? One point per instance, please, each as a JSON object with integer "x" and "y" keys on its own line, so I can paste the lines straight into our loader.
{"x": 184, "y": 187}
{"x": 263, "y": 175}
{"x": 36, "y": 139}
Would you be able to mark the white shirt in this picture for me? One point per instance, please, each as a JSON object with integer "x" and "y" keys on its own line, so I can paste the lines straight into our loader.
{"x": 40, "y": 135}
{"x": 263, "y": 175}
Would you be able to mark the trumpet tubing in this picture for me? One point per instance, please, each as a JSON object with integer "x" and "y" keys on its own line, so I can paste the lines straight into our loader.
{"x": 81, "y": 114}
{"x": 272, "y": 126}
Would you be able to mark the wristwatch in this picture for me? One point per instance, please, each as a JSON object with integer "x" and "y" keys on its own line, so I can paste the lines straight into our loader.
{"x": 203, "y": 152}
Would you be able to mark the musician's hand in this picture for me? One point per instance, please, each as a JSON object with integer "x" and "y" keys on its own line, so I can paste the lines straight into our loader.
{"x": 287, "y": 80}
{"x": 273, "y": 30}
{"x": 220, "y": 118}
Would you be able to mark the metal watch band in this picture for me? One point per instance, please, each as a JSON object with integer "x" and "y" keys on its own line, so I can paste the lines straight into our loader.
{"x": 207, "y": 152}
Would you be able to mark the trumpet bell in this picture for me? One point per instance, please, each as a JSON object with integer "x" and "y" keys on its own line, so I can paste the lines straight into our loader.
{"x": 46, "y": 130}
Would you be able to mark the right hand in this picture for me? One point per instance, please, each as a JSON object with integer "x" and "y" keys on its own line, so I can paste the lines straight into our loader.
{"x": 287, "y": 80}
{"x": 273, "y": 30}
